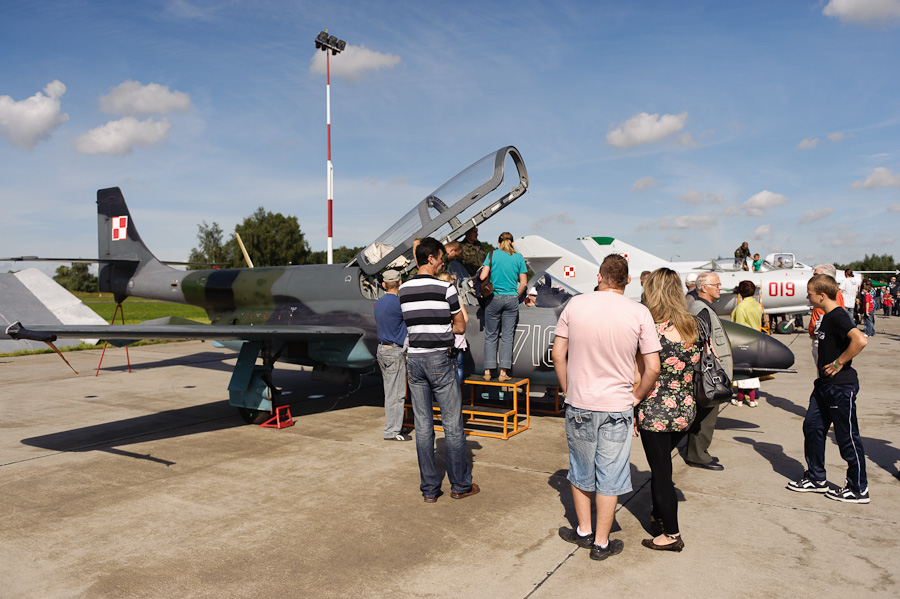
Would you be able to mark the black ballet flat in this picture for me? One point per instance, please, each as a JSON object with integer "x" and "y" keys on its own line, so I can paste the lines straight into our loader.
{"x": 677, "y": 546}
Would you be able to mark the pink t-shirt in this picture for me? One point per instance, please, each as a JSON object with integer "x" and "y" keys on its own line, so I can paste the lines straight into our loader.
{"x": 605, "y": 330}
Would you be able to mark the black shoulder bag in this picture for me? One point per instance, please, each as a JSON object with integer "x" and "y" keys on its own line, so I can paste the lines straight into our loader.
{"x": 711, "y": 383}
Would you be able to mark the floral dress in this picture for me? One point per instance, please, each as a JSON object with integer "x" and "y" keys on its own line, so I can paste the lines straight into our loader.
{"x": 670, "y": 407}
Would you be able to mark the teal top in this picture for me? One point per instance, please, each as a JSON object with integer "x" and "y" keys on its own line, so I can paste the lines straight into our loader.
{"x": 505, "y": 272}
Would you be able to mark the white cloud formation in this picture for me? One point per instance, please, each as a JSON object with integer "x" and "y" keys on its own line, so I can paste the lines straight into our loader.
{"x": 838, "y": 136}
{"x": 809, "y": 143}
{"x": 644, "y": 183}
{"x": 686, "y": 221}
{"x": 676, "y": 239}
{"x": 686, "y": 141}
{"x": 880, "y": 177}
{"x": 560, "y": 217}
{"x": 762, "y": 201}
{"x": 132, "y": 98}
{"x": 645, "y": 128}
{"x": 29, "y": 121}
{"x": 811, "y": 216}
{"x": 118, "y": 138}
{"x": 691, "y": 196}
{"x": 863, "y": 11}
{"x": 353, "y": 62}
{"x": 761, "y": 231}
{"x": 843, "y": 240}
{"x": 895, "y": 207}
{"x": 714, "y": 198}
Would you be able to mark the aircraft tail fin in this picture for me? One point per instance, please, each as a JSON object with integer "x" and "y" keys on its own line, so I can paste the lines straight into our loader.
{"x": 121, "y": 251}
{"x": 545, "y": 256}
{"x": 638, "y": 259}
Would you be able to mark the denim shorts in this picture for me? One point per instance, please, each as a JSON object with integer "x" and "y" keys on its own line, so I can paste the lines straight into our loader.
{"x": 599, "y": 450}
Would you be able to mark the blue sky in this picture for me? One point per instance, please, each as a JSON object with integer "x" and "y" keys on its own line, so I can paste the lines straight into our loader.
{"x": 683, "y": 128}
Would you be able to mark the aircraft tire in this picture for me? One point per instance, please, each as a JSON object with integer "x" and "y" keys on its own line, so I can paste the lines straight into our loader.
{"x": 785, "y": 327}
{"x": 252, "y": 416}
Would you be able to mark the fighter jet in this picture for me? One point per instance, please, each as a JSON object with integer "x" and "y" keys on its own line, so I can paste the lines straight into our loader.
{"x": 322, "y": 315}
{"x": 781, "y": 281}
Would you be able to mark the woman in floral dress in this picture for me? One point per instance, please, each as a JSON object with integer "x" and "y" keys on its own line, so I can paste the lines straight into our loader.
{"x": 665, "y": 415}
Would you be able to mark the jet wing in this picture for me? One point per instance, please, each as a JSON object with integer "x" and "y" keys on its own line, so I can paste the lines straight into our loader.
{"x": 286, "y": 333}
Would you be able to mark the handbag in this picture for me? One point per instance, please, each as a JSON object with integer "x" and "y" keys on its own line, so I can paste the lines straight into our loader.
{"x": 486, "y": 290}
{"x": 711, "y": 383}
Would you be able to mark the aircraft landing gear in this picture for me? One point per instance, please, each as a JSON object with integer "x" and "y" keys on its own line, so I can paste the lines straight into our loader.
{"x": 251, "y": 389}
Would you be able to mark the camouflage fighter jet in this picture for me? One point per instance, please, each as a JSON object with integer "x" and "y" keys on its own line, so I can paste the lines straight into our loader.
{"x": 322, "y": 315}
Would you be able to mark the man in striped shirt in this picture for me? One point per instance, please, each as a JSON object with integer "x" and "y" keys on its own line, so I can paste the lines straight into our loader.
{"x": 432, "y": 314}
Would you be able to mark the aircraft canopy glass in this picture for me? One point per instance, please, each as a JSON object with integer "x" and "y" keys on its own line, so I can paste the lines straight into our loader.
{"x": 463, "y": 202}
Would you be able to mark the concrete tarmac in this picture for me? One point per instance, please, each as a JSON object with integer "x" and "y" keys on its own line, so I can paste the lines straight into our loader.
{"x": 147, "y": 484}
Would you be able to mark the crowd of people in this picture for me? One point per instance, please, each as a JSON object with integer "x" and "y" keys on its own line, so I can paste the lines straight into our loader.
{"x": 626, "y": 369}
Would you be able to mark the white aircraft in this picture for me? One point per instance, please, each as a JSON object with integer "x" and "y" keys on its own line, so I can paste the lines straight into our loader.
{"x": 781, "y": 290}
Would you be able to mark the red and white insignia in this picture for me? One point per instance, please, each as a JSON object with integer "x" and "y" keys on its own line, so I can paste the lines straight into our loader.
{"x": 119, "y": 228}
{"x": 568, "y": 271}
{"x": 624, "y": 255}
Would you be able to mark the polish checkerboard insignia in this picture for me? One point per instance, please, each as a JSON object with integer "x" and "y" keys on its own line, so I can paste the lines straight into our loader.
{"x": 569, "y": 271}
{"x": 624, "y": 255}
{"x": 119, "y": 228}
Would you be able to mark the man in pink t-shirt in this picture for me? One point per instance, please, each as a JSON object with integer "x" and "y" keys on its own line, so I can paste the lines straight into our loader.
{"x": 600, "y": 337}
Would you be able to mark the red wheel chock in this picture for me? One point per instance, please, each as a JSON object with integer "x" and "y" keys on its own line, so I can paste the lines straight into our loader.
{"x": 281, "y": 419}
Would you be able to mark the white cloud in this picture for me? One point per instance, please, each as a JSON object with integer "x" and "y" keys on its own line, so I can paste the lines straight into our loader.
{"x": 645, "y": 128}
{"x": 676, "y": 239}
{"x": 134, "y": 99}
{"x": 560, "y": 217}
{"x": 880, "y": 177}
{"x": 644, "y": 183}
{"x": 29, "y": 121}
{"x": 687, "y": 221}
{"x": 895, "y": 207}
{"x": 118, "y": 138}
{"x": 838, "y": 136}
{"x": 714, "y": 198}
{"x": 863, "y": 11}
{"x": 686, "y": 141}
{"x": 691, "y": 197}
{"x": 353, "y": 62}
{"x": 811, "y": 216}
{"x": 761, "y": 231}
{"x": 808, "y": 143}
{"x": 759, "y": 203}
{"x": 843, "y": 240}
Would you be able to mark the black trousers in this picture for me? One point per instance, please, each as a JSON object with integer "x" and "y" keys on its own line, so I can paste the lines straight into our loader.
{"x": 658, "y": 447}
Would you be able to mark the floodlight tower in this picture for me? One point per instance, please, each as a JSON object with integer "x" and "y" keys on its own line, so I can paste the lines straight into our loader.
{"x": 326, "y": 43}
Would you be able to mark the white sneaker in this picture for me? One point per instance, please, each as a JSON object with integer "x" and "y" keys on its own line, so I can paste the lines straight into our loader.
{"x": 735, "y": 402}
{"x": 752, "y": 404}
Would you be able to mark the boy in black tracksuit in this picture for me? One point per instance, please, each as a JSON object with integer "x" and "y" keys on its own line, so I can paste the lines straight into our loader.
{"x": 833, "y": 400}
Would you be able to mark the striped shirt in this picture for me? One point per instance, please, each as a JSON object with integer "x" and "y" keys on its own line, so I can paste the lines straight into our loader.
{"x": 428, "y": 305}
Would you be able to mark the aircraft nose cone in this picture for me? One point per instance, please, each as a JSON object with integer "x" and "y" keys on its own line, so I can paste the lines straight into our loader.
{"x": 753, "y": 349}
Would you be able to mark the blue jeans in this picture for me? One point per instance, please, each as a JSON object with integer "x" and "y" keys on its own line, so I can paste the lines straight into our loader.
{"x": 869, "y": 321}
{"x": 834, "y": 404}
{"x": 461, "y": 366}
{"x": 433, "y": 376}
{"x": 599, "y": 450}
{"x": 392, "y": 360}
{"x": 500, "y": 318}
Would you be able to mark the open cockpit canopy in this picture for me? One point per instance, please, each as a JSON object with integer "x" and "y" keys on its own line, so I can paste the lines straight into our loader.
{"x": 465, "y": 201}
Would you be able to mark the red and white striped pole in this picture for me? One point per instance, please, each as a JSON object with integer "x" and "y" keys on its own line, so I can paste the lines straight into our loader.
{"x": 330, "y": 167}
{"x": 329, "y": 44}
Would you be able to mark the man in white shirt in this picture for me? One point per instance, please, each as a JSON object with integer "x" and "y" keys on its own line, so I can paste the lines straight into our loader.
{"x": 849, "y": 289}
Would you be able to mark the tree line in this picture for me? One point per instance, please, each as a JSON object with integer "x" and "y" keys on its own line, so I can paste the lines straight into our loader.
{"x": 271, "y": 239}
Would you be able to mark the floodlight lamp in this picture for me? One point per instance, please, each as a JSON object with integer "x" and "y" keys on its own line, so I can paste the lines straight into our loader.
{"x": 332, "y": 41}
{"x": 322, "y": 37}
{"x": 341, "y": 45}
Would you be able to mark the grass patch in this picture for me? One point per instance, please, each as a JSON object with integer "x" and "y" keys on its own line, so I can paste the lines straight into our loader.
{"x": 137, "y": 310}
{"x": 81, "y": 347}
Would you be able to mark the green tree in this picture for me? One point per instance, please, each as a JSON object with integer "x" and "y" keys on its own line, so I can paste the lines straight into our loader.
{"x": 340, "y": 255}
{"x": 77, "y": 278}
{"x": 271, "y": 239}
{"x": 873, "y": 262}
{"x": 212, "y": 249}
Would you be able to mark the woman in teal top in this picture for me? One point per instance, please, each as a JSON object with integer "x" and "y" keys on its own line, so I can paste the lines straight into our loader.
{"x": 506, "y": 268}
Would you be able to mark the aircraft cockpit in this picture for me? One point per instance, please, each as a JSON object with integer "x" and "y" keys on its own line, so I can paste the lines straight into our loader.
{"x": 777, "y": 261}
{"x": 471, "y": 197}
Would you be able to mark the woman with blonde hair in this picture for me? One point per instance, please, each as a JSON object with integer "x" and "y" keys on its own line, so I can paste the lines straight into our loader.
{"x": 506, "y": 268}
{"x": 666, "y": 414}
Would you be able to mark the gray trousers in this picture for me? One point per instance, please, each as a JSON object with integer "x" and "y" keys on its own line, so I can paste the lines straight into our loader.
{"x": 392, "y": 360}
{"x": 701, "y": 434}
